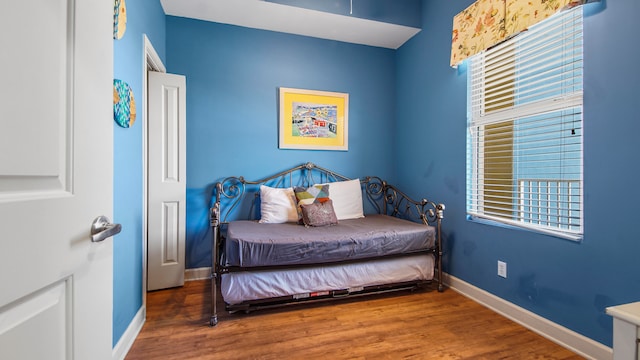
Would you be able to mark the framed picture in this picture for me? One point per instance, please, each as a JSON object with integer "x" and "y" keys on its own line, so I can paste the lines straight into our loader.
{"x": 314, "y": 120}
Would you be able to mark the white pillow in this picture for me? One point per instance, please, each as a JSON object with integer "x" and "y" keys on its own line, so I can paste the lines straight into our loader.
{"x": 277, "y": 205}
{"x": 347, "y": 199}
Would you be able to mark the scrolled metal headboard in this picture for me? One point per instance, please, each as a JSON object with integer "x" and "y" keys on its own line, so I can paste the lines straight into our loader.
{"x": 232, "y": 189}
{"x": 384, "y": 198}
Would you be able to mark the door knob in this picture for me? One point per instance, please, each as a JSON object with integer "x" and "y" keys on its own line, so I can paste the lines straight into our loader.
{"x": 102, "y": 228}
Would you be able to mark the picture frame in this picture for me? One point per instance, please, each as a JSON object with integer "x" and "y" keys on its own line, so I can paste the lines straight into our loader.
{"x": 313, "y": 120}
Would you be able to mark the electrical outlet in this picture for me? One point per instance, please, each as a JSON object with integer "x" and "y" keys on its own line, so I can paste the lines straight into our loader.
{"x": 502, "y": 269}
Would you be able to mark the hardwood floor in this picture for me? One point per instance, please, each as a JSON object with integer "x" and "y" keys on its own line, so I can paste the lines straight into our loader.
{"x": 419, "y": 325}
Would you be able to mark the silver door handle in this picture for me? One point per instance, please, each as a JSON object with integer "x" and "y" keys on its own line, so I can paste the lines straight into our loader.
{"x": 102, "y": 228}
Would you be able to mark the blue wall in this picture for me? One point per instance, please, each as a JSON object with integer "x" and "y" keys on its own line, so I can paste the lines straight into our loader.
{"x": 567, "y": 282}
{"x": 233, "y": 75}
{"x": 143, "y": 17}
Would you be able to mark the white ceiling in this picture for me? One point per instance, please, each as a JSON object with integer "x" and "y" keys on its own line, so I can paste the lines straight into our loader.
{"x": 264, "y": 15}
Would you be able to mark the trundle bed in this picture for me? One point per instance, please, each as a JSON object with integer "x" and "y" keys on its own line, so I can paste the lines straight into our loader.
{"x": 304, "y": 236}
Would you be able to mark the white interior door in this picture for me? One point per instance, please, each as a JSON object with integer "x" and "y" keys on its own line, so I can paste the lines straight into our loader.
{"x": 167, "y": 180}
{"x": 56, "y": 174}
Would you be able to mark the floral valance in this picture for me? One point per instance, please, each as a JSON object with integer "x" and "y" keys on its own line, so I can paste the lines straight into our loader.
{"x": 488, "y": 22}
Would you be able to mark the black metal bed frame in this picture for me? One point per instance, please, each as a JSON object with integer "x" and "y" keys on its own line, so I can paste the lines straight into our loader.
{"x": 228, "y": 196}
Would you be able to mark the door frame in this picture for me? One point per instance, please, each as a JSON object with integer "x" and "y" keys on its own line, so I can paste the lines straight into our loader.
{"x": 150, "y": 62}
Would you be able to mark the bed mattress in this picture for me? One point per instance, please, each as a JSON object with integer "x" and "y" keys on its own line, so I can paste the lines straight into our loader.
{"x": 237, "y": 287}
{"x": 253, "y": 244}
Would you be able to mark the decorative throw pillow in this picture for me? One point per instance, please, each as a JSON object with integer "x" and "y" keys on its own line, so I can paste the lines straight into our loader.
{"x": 318, "y": 214}
{"x": 347, "y": 199}
{"x": 315, "y": 193}
{"x": 277, "y": 205}
{"x": 310, "y": 195}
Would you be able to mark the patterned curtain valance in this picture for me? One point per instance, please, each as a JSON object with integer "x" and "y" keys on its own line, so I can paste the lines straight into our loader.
{"x": 488, "y": 22}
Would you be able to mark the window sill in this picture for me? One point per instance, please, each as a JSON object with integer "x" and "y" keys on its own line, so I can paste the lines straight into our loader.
{"x": 556, "y": 234}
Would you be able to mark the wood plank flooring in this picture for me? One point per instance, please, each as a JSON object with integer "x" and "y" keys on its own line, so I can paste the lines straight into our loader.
{"x": 405, "y": 325}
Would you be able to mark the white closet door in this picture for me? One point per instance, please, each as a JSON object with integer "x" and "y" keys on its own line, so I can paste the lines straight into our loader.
{"x": 167, "y": 182}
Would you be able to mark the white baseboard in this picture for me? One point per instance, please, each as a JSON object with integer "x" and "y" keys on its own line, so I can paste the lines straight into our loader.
{"x": 564, "y": 337}
{"x": 197, "y": 274}
{"x": 127, "y": 339}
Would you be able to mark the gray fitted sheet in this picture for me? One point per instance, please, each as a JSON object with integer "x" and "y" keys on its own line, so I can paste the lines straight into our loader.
{"x": 251, "y": 244}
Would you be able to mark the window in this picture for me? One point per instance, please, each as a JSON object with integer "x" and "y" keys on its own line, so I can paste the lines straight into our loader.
{"x": 524, "y": 140}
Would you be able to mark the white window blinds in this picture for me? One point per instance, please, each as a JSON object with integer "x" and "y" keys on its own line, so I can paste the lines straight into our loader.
{"x": 524, "y": 145}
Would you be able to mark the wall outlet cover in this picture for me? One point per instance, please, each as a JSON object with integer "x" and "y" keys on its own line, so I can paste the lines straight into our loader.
{"x": 502, "y": 269}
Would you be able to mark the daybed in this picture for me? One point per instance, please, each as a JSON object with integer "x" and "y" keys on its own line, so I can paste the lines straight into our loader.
{"x": 307, "y": 238}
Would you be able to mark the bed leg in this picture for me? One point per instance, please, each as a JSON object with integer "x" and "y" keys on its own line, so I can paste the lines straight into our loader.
{"x": 213, "y": 321}
{"x": 214, "y": 217}
{"x": 440, "y": 280}
{"x": 440, "y": 215}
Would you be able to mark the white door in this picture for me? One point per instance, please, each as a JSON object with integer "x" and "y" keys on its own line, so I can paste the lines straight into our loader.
{"x": 167, "y": 180}
{"x": 56, "y": 170}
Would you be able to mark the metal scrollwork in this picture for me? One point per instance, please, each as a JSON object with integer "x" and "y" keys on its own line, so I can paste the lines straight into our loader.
{"x": 388, "y": 200}
{"x": 232, "y": 189}
{"x": 374, "y": 189}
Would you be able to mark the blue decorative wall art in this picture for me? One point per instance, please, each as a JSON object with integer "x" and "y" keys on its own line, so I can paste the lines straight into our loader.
{"x": 124, "y": 104}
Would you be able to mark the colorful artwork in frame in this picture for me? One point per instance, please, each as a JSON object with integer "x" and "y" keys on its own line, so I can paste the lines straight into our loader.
{"x": 313, "y": 120}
